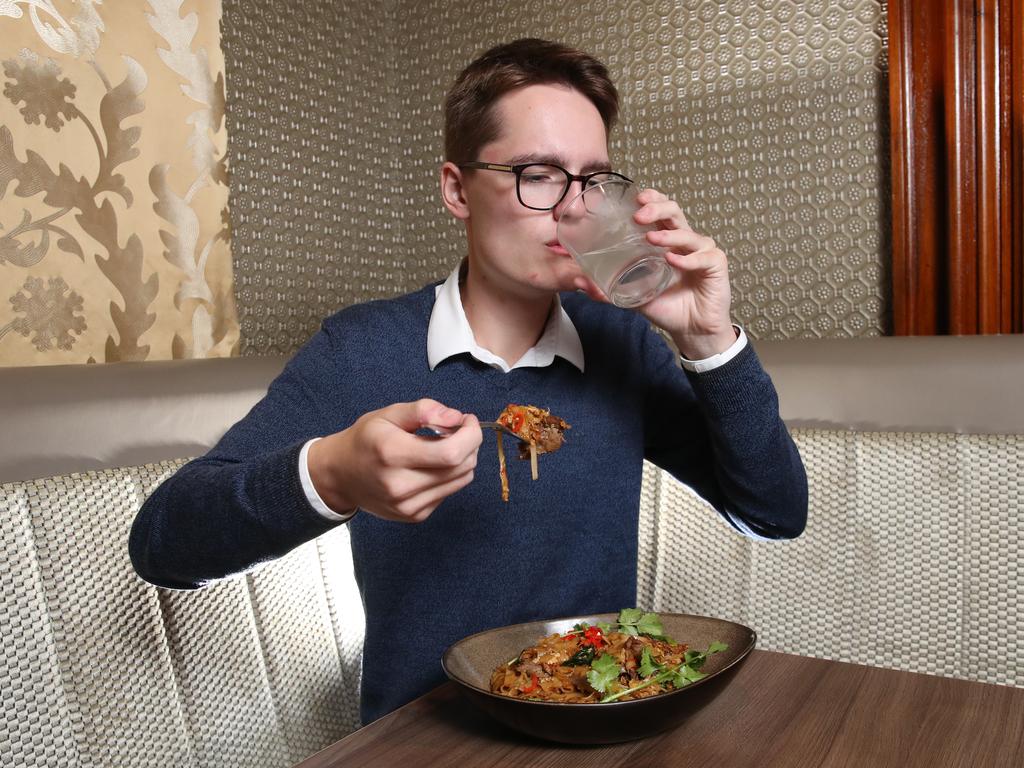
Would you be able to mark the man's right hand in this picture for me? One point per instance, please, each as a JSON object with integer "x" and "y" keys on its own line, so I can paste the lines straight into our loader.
{"x": 379, "y": 464}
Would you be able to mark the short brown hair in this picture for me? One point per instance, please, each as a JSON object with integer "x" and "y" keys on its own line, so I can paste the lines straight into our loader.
{"x": 469, "y": 119}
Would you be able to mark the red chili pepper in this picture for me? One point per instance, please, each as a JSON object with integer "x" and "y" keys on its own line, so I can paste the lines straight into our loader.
{"x": 517, "y": 422}
{"x": 534, "y": 682}
{"x": 593, "y": 636}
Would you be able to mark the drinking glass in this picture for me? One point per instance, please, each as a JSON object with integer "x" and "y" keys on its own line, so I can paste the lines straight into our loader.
{"x": 598, "y": 229}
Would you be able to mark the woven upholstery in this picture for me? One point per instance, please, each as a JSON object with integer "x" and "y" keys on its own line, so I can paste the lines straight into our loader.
{"x": 36, "y": 725}
{"x": 910, "y": 559}
{"x": 101, "y": 669}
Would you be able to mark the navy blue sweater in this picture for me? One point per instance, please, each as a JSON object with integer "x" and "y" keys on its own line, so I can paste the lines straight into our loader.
{"x": 563, "y": 545}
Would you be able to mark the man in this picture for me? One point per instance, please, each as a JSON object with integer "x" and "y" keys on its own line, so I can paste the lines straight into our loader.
{"x": 337, "y": 437}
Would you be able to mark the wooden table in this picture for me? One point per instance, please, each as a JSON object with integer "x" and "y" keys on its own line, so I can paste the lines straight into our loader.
{"x": 777, "y": 710}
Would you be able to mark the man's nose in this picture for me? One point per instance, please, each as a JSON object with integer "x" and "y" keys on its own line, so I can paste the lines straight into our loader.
{"x": 575, "y": 187}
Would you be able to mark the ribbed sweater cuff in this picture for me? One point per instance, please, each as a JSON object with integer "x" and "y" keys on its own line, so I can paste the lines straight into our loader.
{"x": 734, "y": 387}
{"x": 293, "y": 517}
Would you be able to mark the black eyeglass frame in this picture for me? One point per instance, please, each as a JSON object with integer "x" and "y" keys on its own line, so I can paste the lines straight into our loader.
{"x": 518, "y": 171}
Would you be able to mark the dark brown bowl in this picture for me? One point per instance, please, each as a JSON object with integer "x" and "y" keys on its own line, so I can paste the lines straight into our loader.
{"x": 470, "y": 662}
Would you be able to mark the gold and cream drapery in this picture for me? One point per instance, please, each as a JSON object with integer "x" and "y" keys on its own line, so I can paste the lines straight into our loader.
{"x": 114, "y": 234}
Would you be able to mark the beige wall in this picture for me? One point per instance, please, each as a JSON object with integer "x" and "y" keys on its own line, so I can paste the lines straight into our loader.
{"x": 764, "y": 120}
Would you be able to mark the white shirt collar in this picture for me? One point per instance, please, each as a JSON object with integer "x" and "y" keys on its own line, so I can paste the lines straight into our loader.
{"x": 449, "y": 334}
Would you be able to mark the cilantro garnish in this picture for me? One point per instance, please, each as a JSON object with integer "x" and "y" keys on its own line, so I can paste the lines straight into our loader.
{"x": 633, "y": 621}
{"x": 604, "y": 671}
{"x": 648, "y": 666}
{"x": 679, "y": 675}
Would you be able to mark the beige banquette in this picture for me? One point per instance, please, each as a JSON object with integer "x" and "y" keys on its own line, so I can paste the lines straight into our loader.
{"x": 911, "y": 558}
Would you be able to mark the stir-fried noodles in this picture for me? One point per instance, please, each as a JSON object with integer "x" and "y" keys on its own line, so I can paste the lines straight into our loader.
{"x": 538, "y": 432}
{"x": 589, "y": 663}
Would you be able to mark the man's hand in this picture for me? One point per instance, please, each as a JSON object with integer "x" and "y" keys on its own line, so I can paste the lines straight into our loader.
{"x": 694, "y": 309}
{"x": 379, "y": 465}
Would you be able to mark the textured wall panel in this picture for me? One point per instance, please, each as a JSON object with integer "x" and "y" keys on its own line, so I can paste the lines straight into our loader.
{"x": 310, "y": 142}
{"x": 765, "y": 121}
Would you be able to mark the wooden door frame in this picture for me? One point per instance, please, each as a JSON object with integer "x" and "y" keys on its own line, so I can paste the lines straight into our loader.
{"x": 956, "y": 98}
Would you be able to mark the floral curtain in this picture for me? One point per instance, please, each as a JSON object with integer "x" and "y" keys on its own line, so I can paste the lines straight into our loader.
{"x": 114, "y": 236}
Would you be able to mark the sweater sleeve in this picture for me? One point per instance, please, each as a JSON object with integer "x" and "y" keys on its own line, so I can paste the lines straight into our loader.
{"x": 243, "y": 502}
{"x": 720, "y": 432}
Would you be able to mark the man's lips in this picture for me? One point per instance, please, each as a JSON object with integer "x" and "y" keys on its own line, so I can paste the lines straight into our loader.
{"x": 557, "y": 247}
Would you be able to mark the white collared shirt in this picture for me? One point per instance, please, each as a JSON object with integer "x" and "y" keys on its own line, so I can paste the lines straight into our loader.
{"x": 449, "y": 334}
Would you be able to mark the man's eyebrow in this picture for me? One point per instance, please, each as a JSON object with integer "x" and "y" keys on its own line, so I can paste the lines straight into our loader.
{"x": 595, "y": 165}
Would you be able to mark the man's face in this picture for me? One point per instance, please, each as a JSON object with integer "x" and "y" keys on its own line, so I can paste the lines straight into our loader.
{"x": 511, "y": 247}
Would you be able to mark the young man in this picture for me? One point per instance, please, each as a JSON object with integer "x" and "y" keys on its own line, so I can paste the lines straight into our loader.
{"x": 335, "y": 440}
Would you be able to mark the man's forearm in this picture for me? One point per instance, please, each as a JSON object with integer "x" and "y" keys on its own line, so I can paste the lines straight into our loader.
{"x": 213, "y": 519}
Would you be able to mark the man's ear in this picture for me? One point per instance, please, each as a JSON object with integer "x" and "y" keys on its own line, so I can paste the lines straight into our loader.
{"x": 453, "y": 194}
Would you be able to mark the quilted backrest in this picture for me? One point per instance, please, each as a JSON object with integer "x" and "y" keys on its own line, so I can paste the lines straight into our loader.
{"x": 102, "y": 669}
{"x": 911, "y": 557}
{"x": 913, "y": 449}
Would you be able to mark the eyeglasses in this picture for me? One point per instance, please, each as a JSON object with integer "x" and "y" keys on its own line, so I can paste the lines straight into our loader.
{"x": 542, "y": 186}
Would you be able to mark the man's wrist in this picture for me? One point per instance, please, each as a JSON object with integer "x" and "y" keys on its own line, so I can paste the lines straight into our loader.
{"x": 718, "y": 359}
{"x": 706, "y": 345}
{"x": 313, "y": 496}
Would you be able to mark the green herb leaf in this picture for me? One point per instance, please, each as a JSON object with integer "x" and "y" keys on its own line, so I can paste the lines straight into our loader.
{"x": 649, "y": 624}
{"x": 692, "y": 674}
{"x": 680, "y": 675}
{"x": 694, "y": 659}
{"x": 604, "y": 671}
{"x": 581, "y": 658}
{"x": 648, "y": 666}
{"x": 630, "y": 616}
{"x": 634, "y": 622}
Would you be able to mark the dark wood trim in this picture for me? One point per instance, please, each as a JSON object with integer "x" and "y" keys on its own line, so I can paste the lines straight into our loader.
{"x": 956, "y": 110}
{"x": 959, "y": 88}
{"x": 1014, "y": 271}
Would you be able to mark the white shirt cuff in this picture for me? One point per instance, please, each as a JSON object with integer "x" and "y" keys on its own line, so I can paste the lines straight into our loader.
{"x": 311, "y": 495}
{"x": 715, "y": 361}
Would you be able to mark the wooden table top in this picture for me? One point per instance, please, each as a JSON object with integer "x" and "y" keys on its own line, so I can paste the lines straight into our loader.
{"x": 777, "y": 710}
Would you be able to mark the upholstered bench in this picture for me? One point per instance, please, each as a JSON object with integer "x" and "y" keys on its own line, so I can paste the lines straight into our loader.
{"x": 911, "y": 559}
{"x": 913, "y": 449}
{"x": 100, "y": 668}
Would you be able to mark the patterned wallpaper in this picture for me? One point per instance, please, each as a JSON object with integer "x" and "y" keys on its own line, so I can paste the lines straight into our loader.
{"x": 765, "y": 120}
{"x": 114, "y": 227}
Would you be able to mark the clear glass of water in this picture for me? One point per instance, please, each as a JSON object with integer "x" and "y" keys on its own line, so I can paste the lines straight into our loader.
{"x": 597, "y": 228}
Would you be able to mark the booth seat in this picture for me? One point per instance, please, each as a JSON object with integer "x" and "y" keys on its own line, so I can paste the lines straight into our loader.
{"x": 912, "y": 554}
{"x": 913, "y": 449}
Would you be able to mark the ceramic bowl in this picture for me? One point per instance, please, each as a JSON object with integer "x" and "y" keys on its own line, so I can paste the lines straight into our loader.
{"x": 470, "y": 662}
